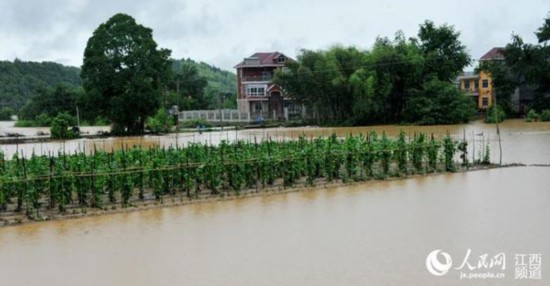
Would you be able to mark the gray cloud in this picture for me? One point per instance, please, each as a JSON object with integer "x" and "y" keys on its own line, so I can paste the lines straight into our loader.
{"x": 223, "y": 32}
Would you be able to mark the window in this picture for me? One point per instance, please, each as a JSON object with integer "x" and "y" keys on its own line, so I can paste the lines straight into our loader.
{"x": 258, "y": 106}
{"x": 466, "y": 84}
{"x": 484, "y": 102}
{"x": 485, "y": 83}
{"x": 255, "y": 90}
{"x": 476, "y": 84}
{"x": 281, "y": 59}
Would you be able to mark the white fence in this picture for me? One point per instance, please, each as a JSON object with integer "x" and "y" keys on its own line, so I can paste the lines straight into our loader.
{"x": 224, "y": 115}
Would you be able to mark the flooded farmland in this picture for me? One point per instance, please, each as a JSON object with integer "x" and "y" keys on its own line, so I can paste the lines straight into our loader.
{"x": 374, "y": 233}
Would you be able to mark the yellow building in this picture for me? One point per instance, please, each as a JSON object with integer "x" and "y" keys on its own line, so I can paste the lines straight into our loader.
{"x": 480, "y": 86}
{"x": 485, "y": 98}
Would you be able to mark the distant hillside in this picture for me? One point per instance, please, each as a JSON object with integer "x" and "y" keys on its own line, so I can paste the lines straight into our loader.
{"x": 219, "y": 81}
{"x": 20, "y": 80}
{"x": 223, "y": 80}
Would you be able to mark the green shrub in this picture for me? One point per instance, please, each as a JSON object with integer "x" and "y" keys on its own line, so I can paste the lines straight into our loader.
{"x": 101, "y": 121}
{"x": 532, "y": 115}
{"x": 24, "y": 123}
{"x": 545, "y": 115}
{"x": 495, "y": 112}
{"x": 60, "y": 127}
{"x": 43, "y": 120}
{"x": 162, "y": 122}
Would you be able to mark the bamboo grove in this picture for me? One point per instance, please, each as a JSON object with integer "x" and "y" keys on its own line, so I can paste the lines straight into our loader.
{"x": 40, "y": 185}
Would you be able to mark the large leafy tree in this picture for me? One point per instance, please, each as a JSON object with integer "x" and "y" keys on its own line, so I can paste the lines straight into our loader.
{"x": 124, "y": 72}
{"x": 531, "y": 64}
{"x": 527, "y": 66}
{"x": 445, "y": 55}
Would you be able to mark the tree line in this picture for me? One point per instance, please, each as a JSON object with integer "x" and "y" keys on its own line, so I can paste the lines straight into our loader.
{"x": 397, "y": 80}
{"x": 192, "y": 85}
{"x": 126, "y": 79}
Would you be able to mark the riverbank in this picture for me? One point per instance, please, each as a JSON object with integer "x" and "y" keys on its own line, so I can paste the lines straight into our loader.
{"x": 19, "y": 218}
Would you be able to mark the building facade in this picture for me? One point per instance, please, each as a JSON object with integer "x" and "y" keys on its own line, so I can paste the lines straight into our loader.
{"x": 480, "y": 86}
{"x": 257, "y": 95}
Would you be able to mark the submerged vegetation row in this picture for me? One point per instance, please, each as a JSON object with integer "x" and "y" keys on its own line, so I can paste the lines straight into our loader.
{"x": 56, "y": 184}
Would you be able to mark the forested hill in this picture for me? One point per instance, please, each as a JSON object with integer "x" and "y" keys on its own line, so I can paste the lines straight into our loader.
{"x": 20, "y": 80}
{"x": 218, "y": 79}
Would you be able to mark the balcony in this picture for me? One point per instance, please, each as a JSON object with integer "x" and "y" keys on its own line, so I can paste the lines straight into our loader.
{"x": 259, "y": 78}
{"x": 471, "y": 91}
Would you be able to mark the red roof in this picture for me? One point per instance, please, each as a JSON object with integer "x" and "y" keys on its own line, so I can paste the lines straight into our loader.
{"x": 264, "y": 59}
{"x": 494, "y": 53}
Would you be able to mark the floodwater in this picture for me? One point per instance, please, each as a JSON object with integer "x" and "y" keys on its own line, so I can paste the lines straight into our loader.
{"x": 376, "y": 233}
{"x": 521, "y": 142}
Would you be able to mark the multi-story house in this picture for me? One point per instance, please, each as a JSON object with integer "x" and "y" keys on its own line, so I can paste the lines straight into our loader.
{"x": 256, "y": 94}
{"x": 468, "y": 82}
{"x": 480, "y": 86}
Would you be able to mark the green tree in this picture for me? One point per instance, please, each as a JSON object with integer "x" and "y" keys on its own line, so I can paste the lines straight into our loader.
{"x": 530, "y": 65}
{"x": 218, "y": 82}
{"x": 543, "y": 33}
{"x": 51, "y": 102}
{"x": 6, "y": 113}
{"x": 187, "y": 89}
{"x": 445, "y": 55}
{"x": 123, "y": 73}
{"x": 438, "y": 102}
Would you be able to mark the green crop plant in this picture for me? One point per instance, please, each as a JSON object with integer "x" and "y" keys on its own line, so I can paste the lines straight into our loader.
{"x": 449, "y": 149}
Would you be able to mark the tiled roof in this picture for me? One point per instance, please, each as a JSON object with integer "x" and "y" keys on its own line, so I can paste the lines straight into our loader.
{"x": 264, "y": 59}
{"x": 494, "y": 53}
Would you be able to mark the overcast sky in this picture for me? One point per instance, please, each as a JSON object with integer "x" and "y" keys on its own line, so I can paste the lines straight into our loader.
{"x": 222, "y": 32}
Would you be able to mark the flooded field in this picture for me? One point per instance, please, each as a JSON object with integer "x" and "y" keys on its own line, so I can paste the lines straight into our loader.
{"x": 376, "y": 233}
{"x": 519, "y": 139}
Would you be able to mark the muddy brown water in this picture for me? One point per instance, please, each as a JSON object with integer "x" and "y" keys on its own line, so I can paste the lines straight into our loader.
{"x": 521, "y": 141}
{"x": 376, "y": 233}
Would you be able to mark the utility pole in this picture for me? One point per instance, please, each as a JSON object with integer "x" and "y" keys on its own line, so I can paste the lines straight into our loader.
{"x": 77, "y": 117}
{"x": 497, "y": 119}
{"x": 164, "y": 107}
{"x": 220, "y": 101}
{"x": 178, "y": 91}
